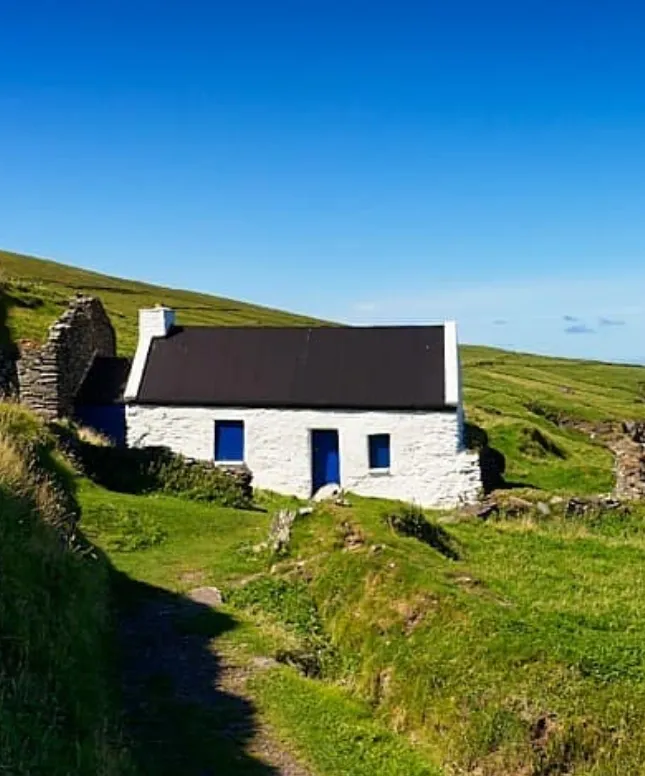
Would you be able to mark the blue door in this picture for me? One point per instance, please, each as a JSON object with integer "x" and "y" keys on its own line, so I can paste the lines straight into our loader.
{"x": 325, "y": 459}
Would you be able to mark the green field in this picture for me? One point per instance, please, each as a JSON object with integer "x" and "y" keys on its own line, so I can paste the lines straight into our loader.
{"x": 526, "y": 654}
{"x": 508, "y": 647}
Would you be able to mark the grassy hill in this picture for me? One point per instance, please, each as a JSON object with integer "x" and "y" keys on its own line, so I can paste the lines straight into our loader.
{"x": 530, "y": 407}
{"x": 58, "y": 711}
{"x": 38, "y": 292}
{"x": 520, "y": 400}
{"x": 512, "y": 647}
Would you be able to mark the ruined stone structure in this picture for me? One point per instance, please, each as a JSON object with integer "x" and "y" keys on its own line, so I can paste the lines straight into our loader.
{"x": 50, "y": 376}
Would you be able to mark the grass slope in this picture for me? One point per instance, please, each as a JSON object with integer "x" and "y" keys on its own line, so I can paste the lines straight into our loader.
{"x": 58, "y": 714}
{"x": 39, "y": 291}
{"x": 525, "y": 655}
{"x": 516, "y": 398}
{"x": 178, "y": 545}
{"x": 513, "y": 396}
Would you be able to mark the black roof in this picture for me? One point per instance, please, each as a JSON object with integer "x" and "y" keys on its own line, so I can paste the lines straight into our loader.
{"x": 322, "y": 367}
{"x": 105, "y": 381}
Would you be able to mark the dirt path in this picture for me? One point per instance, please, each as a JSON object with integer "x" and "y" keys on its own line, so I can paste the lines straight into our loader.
{"x": 188, "y": 710}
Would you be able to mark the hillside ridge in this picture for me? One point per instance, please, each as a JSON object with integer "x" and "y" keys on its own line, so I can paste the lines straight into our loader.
{"x": 38, "y": 290}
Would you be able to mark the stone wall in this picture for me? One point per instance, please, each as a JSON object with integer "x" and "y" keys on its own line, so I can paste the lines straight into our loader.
{"x": 629, "y": 449}
{"x": 626, "y": 441}
{"x": 50, "y": 376}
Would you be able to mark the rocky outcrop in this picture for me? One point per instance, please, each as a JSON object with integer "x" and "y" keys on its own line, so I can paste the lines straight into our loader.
{"x": 515, "y": 507}
{"x": 49, "y": 376}
{"x": 626, "y": 440}
{"x": 629, "y": 449}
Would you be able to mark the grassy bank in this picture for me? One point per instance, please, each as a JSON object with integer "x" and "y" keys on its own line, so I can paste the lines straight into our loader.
{"x": 57, "y": 712}
{"x": 524, "y": 654}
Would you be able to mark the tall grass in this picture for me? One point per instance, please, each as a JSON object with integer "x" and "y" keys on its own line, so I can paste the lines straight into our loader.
{"x": 56, "y": 709}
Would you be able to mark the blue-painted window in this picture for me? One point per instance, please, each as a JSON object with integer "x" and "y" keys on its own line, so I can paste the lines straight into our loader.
{"x": 379, "y": 449}
{"x": 229, "y": 440}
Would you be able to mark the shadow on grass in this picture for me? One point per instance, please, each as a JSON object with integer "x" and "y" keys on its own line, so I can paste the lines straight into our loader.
{"x": 439, "y": 539}
{"x": 409, "y": 520}
{"x": 9, "y": 381}
{"x": 5, "y": 334}
{"x": 492, "y": 462}
{"x": 178, "y": 719}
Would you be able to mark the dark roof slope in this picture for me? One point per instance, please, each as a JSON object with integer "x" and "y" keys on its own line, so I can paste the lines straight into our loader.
{"x": 322, "y": 367}
{"x": 105, "y": 381}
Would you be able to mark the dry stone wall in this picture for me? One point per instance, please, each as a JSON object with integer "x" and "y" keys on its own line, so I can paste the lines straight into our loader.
{"x": 629, "y": 449}
{"x": 49, "y": 377}
{"x": 626, "y": 441}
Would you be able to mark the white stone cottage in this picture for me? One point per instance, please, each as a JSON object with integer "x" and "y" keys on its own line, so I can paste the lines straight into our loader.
{"x": 376, "y": 410}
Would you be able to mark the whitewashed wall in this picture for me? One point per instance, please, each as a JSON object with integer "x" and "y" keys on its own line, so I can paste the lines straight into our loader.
{"x": 427, "y": 466}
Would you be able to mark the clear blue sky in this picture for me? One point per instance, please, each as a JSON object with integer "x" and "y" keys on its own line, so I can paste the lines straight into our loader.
{"x": 361, "y": 161}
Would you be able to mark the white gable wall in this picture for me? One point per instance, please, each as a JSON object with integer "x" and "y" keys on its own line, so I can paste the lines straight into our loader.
{"x": 427, "y": 464}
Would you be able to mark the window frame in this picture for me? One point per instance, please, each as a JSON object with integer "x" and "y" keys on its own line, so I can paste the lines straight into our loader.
{"x": 229, "y": 422}
{"x": 372, "y": 450}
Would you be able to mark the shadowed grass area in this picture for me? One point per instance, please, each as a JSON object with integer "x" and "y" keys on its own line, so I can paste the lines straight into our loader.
{"x": 58, "y": 711}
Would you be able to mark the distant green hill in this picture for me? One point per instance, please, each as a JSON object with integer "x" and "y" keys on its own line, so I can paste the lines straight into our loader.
{"x": 520, "y": 400}
{"x": 39, "y": 290}
{"x": 529, "y": 404}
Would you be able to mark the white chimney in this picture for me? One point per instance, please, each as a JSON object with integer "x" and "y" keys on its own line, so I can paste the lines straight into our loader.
{"x": 153, "y": 322}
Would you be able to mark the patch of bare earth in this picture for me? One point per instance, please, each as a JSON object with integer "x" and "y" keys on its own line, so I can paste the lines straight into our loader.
{"x": 170, "y": 641}
{"x": 263, "y": 743}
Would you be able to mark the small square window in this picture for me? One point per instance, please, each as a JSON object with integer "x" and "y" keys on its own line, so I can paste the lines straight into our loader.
{"x": 229, "y": 440}
{"x": 379, "y": 451}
